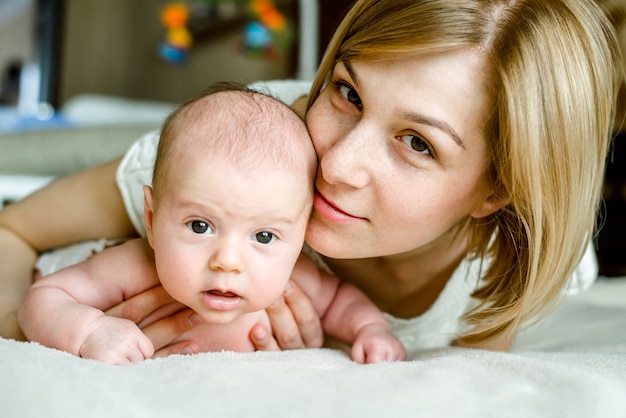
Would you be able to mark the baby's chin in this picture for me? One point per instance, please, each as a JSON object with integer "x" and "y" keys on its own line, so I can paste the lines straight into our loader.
{"x": 219, "y": 317}
{"x": 222, "y": 316}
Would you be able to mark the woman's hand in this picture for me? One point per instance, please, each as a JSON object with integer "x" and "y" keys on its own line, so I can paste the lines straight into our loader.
{"x": 161, "y": 318}
{"x": 295, "y": 323}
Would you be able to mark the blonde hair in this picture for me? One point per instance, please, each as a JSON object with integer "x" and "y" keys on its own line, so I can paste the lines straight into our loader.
{"x": 232, "y": 122}
{"x": 553, "y": 72}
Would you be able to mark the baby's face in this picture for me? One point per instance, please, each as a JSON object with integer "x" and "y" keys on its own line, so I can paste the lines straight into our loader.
{"x": 226, "y": 241}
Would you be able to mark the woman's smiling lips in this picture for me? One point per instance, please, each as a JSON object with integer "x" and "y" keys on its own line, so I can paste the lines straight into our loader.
{"x": 220, "y": 300}
{"x": 332, "y": 212}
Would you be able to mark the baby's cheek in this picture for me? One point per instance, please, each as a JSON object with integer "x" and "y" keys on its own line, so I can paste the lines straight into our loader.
{"x": 268, "y": 297}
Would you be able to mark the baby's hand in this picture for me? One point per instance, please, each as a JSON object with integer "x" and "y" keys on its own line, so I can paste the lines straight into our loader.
{"x": 116, "y": 341}
{"x": 376, "y": 342}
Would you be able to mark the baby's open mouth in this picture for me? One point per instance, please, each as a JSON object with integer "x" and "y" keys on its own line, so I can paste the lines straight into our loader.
{"x": 223, "y": 294}
{"x": 220, "y": 300}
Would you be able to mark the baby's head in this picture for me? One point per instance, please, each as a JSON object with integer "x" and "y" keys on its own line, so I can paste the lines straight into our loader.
{"x": 244, "y": 127}
{"x": 231, "y": 197}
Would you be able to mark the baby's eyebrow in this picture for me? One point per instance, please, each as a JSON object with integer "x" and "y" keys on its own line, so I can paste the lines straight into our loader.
{"x": 286, "y": 220}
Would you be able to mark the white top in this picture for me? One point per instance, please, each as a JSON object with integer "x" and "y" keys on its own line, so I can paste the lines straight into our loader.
{"x": 436, "y": 327}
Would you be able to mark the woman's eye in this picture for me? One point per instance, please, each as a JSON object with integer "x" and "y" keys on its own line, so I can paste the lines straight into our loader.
{"x": 264, "y": 237}
{"x": 199, "y": 227}
{"x": 350, "y": 94}
{"x": 416, "y": 143}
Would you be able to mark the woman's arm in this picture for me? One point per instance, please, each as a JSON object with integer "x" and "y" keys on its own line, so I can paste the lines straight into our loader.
{"x": 81, "y": 206}
{"x": 85, "y": 205}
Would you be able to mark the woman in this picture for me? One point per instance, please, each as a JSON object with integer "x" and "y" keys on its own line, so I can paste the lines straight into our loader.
{"x": 462, "y": 146}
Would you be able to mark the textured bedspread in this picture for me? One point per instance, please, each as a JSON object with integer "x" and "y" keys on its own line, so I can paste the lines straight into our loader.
{"x": 573, "y": 365}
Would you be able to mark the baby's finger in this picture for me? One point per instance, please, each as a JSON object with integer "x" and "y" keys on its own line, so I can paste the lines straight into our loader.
{"x": 181, "y": 347}
{"x": 166, "y": 330}
{"x": 146, "y": 347}
{"x": 358, "y": 353}
{"x": 134, "y": 356}
{"x": 142, "y": 305}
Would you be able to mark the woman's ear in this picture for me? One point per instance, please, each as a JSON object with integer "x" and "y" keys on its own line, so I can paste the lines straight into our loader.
{"x": 491, "y": 204}
{"x": 148, "y": 211}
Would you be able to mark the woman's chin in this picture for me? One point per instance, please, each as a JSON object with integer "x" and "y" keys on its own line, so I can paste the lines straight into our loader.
{"x": 329, "y": 243}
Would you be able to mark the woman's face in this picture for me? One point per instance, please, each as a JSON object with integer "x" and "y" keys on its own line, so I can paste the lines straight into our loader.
{"x": 402, "y": 154}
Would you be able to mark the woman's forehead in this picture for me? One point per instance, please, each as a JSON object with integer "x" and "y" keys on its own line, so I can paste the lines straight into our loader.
{"x": 450, "y": 83}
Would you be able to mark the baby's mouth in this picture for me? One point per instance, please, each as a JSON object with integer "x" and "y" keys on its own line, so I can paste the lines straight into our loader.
{"x": 223, "y": 294}
{"x": 220, "y": 300}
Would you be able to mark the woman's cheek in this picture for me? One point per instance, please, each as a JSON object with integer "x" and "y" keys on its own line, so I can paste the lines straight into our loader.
{"x": 321, "y": 128}
{"x": 311, "y": 119}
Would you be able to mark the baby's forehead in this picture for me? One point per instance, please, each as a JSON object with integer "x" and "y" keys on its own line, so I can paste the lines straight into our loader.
{"x": 247, "y": 129}
{"x": 255, "y": 198}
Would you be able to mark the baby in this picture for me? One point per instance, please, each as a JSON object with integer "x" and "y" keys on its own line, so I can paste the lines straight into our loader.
{"x": 225, "y": 218}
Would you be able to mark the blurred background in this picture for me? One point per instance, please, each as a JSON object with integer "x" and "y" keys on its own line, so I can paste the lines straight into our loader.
{"x": 80, "y": 80}
{"x": 54, "y": 50}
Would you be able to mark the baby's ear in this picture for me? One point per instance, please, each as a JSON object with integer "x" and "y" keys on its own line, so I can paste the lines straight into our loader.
{"x": 491, "y": 204}
{"x": 148, "y": 211}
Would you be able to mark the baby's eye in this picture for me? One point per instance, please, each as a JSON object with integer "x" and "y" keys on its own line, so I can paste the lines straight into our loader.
{"x": 416, "y": 143}
{"x": 199, "y": 227}
{"x": 264, "y": 237}
{"x": 349, "y": 94}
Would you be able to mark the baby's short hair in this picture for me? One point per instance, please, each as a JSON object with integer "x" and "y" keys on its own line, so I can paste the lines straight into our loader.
{"x": 233, "y": 122}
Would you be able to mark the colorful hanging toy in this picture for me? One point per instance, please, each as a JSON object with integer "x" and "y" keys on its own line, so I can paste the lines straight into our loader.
{"x": 178, "y": 39}
{"x": 267, "y": 30}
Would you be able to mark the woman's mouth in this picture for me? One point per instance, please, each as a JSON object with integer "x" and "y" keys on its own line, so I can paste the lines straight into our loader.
{"x": 330, "y": 211}
{"x": 220, "y": 300}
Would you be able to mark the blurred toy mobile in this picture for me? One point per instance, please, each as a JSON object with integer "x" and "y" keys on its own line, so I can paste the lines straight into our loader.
{"x": 267, "y": 29}
{"x": 178, "y": 39}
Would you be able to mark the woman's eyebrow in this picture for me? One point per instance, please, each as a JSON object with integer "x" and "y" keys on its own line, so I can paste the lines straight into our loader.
{"x": 412, "y": 116}
{"x": 351, "y": 72}
{"x": 438, "y": 124}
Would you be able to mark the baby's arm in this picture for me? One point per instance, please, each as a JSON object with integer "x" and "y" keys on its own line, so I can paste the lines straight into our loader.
{"x": 65, "y": 310}
{"x": 347, "y": 314}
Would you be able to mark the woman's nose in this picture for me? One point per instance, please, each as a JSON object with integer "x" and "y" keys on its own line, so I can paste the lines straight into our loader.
{"x": 228, "y": 257}
{"x": 350, "y": 160}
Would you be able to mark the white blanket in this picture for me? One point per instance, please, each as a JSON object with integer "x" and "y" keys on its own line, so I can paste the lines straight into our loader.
{"x": 573, "y": 365}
